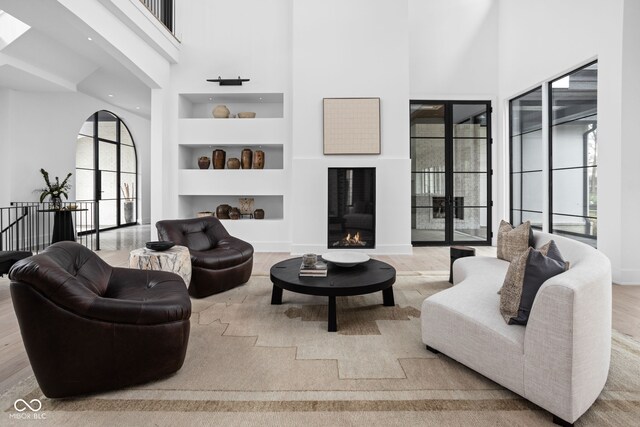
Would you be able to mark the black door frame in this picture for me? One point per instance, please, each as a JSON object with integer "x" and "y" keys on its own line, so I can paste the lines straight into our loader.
{"x": 449, "y": 174}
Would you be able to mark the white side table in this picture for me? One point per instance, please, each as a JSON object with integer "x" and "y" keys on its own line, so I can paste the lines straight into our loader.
{"x": 176, "y": 260}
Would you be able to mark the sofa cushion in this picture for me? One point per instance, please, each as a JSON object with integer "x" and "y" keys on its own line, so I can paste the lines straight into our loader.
{"x": 539, "y": 268}
{"x": 513, "y": 242}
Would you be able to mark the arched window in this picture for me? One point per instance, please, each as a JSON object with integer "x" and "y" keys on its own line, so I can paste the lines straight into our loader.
{"x": 107, "y": 169}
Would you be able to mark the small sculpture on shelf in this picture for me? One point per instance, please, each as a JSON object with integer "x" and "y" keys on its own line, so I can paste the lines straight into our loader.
{"x": 246, "y": 206}
{"x": 258, "y": 159}
{"x": 258, "y": 214}
{"x": 233, "y": 163}
{"x": 204, "y": 162}
{"x": 221, "y": 112}
{"x": 219, "y": 158}
{"x": 222, "y": 211}
{"x": 246, "y": 157}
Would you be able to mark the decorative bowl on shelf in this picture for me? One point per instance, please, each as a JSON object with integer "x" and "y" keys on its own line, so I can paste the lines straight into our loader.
{"x": 160, "y": 245}
{"x": 345, "y": 258}
{"x": 247, "y": 115}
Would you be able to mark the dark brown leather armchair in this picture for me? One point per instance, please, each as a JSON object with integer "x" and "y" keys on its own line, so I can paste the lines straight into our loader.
{"x": 219, "y": 261}
{"x": 90, "y": 327}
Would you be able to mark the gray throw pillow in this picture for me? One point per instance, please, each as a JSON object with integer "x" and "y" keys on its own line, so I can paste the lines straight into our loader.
{"x": 511, "y": 290}
{"x": 538, "y": 269}
{"x": 513, "y": 242}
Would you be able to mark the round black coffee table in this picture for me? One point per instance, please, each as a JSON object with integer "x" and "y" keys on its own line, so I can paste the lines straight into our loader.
{"x": 371, "y": 276}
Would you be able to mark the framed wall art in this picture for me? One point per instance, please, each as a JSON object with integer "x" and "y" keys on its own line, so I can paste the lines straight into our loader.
{"x": 351, "y": 125}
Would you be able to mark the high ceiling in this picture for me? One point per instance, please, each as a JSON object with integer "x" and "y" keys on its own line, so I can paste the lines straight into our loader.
{"x": 59, "y": 53}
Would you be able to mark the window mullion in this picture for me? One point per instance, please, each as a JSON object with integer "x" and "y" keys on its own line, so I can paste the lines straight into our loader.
{"x": 546, "y": 154}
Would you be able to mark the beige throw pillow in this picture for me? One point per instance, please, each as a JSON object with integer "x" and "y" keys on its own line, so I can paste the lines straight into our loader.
{"x": 511, "y": 291}
{"x": 512, "y": 242}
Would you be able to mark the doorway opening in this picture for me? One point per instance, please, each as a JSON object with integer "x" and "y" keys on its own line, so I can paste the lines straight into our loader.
{"x": 450, "y": 172}
{"x": 107, "y": 170}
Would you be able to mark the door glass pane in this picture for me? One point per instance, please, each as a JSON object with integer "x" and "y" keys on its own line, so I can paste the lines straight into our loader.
{"x": 84, "y": 152}
{"x": 109, "y": 185}
{"x": 531, "y": 151}
{"x": 125, "y": 136}
{"x": 470, "y": 155}
{"x": 427, "y": 225}
{"x": 575, "y": 225}
{"x": 469, "y": 224}
{"x": 127, "y": 159}
{"x": 469, "y": 120}
{"x": 534, "y": 217}
{"x": 425, "y": 186}
{"x": 108, "y": 159}
{"x": 470, "y": 189}
{"x": 427, "y": 155}
{"x": 516, "y": 191}
{"x": 427, "y": 120}
{"x": 84, "y": 184}
{"x": 107, "y": 126}
{"x": 87, "y": 128}
{"x": 108, "y": 211}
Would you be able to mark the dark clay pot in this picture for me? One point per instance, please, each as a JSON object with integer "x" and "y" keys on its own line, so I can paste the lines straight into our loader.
{"x": 204, "y": 162}
{"x": 246, "y": 158}
{"x": 258, "y": 159}
{"x": 233, "y": 163}
{"x": 222, "y": 211}
{"x": 219, "y": 158}
{"x": 258, "y": 214}
{"x": 234, "y": 213}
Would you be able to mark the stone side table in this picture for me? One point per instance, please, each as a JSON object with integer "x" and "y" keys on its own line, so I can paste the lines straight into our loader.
{"x": 176, "y": 260}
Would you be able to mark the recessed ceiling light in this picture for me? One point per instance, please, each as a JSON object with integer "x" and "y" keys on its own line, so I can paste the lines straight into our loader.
{"x": 89, "y": 38}
{"x": 260, "y": 98}
{"x": 137, "y": 108}
{"x": 110, "y": 95}
{"x": 210, "y": 99}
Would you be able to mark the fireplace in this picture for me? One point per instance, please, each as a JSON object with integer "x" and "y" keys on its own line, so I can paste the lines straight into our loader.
{"x": 352, "y": 208}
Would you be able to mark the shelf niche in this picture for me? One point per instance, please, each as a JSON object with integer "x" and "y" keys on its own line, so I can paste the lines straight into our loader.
{"x": 189, "y": 154}
{"x": 272, "y": 205}
{"x": 201, "y": 105}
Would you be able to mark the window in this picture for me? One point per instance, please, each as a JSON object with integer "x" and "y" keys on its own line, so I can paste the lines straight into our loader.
{"x": 574, "y": 154}
{"x": 525, "y": 139}
{"x": 567, "y": 154}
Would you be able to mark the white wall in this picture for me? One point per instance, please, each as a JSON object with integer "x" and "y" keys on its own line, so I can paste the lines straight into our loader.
{"x": 358, "y": 48}
{"x": 630, "y": 151}
{"x": 43, "y": 133}
{"x": 453, "y": 49}
{"x": 544, "y": 39}
{"x": 5, "y": 135}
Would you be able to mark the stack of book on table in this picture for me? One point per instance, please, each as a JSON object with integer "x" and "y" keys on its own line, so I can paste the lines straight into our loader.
{"x": 318, "y": 270}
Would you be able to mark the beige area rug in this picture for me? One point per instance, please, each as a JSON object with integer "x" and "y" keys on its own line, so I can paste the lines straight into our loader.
{"x": 253, "y": 363}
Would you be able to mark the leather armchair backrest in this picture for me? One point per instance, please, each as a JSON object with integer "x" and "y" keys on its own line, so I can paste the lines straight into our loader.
{"x": 67, "y": 273}
{"x": 198, "y": 234}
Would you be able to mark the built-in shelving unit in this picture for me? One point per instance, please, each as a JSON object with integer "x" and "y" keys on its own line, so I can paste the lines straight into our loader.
{"x": 204, "y": 189}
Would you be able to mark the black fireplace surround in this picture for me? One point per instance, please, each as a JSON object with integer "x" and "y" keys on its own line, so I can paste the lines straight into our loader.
{"x": 352, "y": 208}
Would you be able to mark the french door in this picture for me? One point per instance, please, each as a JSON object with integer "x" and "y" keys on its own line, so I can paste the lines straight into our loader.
{"x": 450, "y": 172}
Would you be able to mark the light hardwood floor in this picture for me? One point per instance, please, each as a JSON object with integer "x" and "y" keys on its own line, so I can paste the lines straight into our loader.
{"x": 14, "y": 365}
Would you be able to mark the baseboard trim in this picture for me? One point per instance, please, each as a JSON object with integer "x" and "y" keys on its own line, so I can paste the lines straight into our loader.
{"x": 626, "y": 276}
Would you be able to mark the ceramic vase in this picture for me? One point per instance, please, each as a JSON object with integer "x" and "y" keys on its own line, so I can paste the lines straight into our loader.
{"x": 219, "y": 158}
{"x": 258, "y": 214}
{"x": 234, "y": 213}
{"x": 258, "y": 159}
{"x": 233, "y": 163}
{"x": 222, "y": 211}
{"x": 221, "y": 112}
{"x": 246, "y": 158}
{"x": 204, "y": 162}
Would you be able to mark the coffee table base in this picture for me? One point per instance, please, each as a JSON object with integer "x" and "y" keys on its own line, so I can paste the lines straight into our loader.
{"x": 332, "y": 321}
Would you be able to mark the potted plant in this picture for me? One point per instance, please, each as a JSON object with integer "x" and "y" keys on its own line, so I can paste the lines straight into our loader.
{"x": 55, "y": 190}
{"x": 128, "y": 197}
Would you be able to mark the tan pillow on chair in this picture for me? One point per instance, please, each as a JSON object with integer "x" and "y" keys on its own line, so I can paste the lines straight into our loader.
{"x": 513, "y": 242}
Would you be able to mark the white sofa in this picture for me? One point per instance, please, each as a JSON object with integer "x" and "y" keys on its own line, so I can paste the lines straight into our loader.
{"x": 560, "y": 360}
